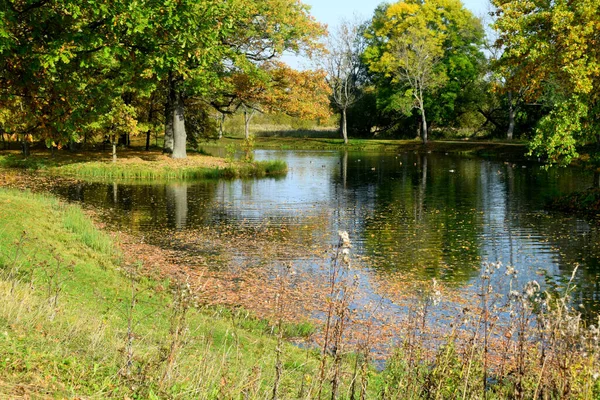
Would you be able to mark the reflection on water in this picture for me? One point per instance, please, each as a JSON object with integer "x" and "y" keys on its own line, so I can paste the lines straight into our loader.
{"x": 417, "y": 215}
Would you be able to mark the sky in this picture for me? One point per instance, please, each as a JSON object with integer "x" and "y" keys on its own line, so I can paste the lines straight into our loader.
{"x": 330, "y": 12}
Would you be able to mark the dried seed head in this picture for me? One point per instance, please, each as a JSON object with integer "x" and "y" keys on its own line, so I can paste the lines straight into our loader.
{"x": 345, "y": 239}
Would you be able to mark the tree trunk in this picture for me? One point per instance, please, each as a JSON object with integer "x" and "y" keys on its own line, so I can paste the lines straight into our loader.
{"x": 221, "y": 123}
{"x": 596, "y": 179}
{"x": 179, "y": 135}
{"x": 424, "y": 128}
{"x": 511, "y": 117}
{"x": 25, "y": 146}
{"x": 169, "y": 106}
{"x": 344, "y": 127}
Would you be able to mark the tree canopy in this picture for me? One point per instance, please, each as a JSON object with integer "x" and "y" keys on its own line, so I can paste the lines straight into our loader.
{"x": 66, "y": 64}
{"x": 428, "y": 52}
{"x": 552, "y": 53}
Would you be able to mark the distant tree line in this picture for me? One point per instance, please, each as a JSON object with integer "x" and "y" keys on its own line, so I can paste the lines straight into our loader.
{"x": 422, "y": 69}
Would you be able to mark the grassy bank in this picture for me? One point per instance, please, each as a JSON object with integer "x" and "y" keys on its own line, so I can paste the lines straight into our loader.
{"x": 141, "y": 165}
{"x": 75, "y": 321}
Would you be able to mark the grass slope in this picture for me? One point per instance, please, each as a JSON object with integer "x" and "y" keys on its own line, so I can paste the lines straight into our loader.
{"x": 65, "y": 309}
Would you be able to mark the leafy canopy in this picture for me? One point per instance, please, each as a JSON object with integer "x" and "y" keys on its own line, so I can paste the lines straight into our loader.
{"x": 552, "y": 49}
{"x": 441, "y": 30}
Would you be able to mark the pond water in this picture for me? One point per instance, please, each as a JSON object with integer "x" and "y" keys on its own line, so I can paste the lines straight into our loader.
{"x": 421, "y": 216}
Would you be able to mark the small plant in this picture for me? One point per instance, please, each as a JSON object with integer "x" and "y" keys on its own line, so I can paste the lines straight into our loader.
{"x": 248, "y": 148}
{"x": 56, "y": 274}
{"x": 183, "y": 300}
{"x": 341, "y": 289}
{"x": 230, "y": 151}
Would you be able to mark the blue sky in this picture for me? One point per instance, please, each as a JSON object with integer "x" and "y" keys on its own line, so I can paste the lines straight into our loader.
{"x": 331, "y": 12}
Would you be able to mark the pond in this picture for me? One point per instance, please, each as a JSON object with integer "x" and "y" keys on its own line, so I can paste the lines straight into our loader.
{"x": 410, "y": 216}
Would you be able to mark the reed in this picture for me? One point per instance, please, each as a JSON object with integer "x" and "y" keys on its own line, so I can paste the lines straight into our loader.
{"x": 149, "y": 171}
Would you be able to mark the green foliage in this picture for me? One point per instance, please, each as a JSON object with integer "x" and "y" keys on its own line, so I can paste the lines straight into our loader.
{"x": 431, "y": 46}
{"x": 248, "y": 148}
{"x": 200, "y": 125}
{"x": 230, "y": 150}
{"x": 73, "y": 68}
{"x": 550, "y": 53}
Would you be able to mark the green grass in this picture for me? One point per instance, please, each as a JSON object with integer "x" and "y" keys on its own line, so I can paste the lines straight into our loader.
{"x": 66, "y": 308}
{"x": 74, "y": 346}
{"x": 145, "y": 170}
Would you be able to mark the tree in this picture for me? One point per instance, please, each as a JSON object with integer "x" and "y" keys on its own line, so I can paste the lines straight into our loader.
{"x": 551, "y": 48}
{"x": 343, "y": 66}
{"x": 425, "y": 55}
{"x": 211, "y": 40}
{"x": 276, "y": 88}
{"x": 418, "y": 60}
{"x": 60, "y": 63}
{"x": 68, "y": 62}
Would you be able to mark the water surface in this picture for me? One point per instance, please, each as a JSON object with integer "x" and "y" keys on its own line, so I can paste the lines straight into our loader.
{"x": 411, "y": 215}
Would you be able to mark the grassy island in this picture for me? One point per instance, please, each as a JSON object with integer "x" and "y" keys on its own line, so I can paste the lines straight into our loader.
{"x": 142, "y": 165}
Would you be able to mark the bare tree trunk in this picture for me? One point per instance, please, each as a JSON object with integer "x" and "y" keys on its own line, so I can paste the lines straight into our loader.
{"x": 114, "y": 148}
{"x": 344, "y": 127}
{"x": 511, "y": 117}
{"x": 179, "y": 135}
{"x": 148, "y": 140}
{"x": 424, "y": 121}
{"x": 169, "y": 106}
{"x": 25, "y": 146}
{"x": 221, "y": 123}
